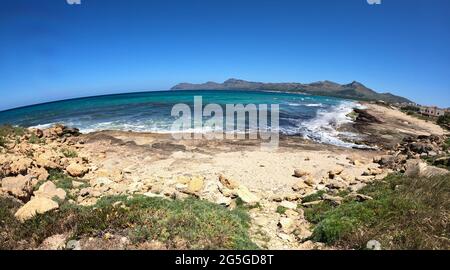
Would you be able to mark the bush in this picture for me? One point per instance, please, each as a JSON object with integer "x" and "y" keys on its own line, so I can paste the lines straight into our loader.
{"x": 69, "y": 153}
{"x": 444, "y": 121}
{"x": 195, "y": 223}
{"x": 406, "y": 213}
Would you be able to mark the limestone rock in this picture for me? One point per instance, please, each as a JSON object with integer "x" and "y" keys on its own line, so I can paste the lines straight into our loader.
{"x": 20, "y": 166}
{"x": 335, "y": 171}
{"x": 196, "y": 184}
{"x": 228, "y": 183}
{"x": 41, "y": 174}
{"x": 333, "y": 199}
{"x": 288, "y": 205}
{"x": 55, "y": 242}
{"x": 19, "y": 186}
{"x": 246, "y": 195}
{"x": 300, "y": 173}
{"x": 36, "y": 206}
{"x": 76, "y": 170}
{"x": 359, "y": 197}
{"x": 48, "y": 190}
{"x": 417, "y": 168}
{"x": 287, "y": 225}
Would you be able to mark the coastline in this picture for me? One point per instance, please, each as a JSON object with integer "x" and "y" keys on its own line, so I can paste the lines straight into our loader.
{"x": 155, "y": 165}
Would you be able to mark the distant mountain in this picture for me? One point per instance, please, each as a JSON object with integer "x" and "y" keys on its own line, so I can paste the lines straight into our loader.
{"x": 354, "y": 90}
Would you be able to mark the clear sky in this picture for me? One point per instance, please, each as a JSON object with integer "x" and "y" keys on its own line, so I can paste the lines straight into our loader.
{"x": 50, "y": 50}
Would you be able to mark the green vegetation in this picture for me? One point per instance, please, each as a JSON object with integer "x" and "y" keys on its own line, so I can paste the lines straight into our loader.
{"x": 69, "y": 153}
{"x": 444, "y": 121}
{"x": 313, "y": 197}
{"x": 281, "y": 210}
{"x": 35, "y": 139}
{"x": 191, "y": 223}
{"x": 406, "y": 213}
{"x": 8, "y": 131}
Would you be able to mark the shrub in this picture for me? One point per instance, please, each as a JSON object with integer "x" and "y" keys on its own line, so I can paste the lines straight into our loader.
{"x": 195, "y": 223}
{"x": 69, "y": 153}
{"x": 444, "y": 121}
{"x": 406, "y": 213}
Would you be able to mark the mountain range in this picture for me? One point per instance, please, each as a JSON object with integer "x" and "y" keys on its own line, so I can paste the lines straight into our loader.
{"x": 354, "y": 90}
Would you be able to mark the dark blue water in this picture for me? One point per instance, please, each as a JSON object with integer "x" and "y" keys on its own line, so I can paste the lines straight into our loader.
{"x": 311, "y": 116}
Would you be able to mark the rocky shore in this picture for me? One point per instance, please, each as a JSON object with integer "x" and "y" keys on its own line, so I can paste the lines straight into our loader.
{"x": 43, "y": 169}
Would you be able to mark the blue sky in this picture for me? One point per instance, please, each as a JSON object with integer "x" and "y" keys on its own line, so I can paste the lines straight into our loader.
{"x": 50, "y": 50}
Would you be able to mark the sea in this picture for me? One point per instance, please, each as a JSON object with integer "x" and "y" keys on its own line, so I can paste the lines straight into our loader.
{"x": 316, "y": 118}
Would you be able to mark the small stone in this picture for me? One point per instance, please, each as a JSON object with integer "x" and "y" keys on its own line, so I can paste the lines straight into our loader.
{"x": 373, "y": 245}
{"x": 73, "y": 245}
{"x": 336, "y": 200}
{"x": 55, "y": 242}
{"x": 287, "y": 224}
{"x": 288, "y": 205}
{"x": 335, "y": 171}
{"x": 300, "y": 173}
{"x": 228, "y": 183}
{"x": 359, "y": 197}
{"x": 76, "y": 170}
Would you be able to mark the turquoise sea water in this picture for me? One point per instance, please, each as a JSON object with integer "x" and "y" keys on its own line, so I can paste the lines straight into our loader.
{"x": 313, "y": 117}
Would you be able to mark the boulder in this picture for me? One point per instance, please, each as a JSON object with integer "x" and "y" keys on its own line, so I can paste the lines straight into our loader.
{"x": 36, "y": 206}
{"x": 196, "y": 184}
{"x": 19, "y": 186}
{"x": 49, "y": 190}
{"x": 300, "y": 173}
{"x": 287, "y": 225}
{"x": 335, "y": 171}
{"x": 359, "y": 197}
{"x": 246, "y": 196}
{"x": 228, "y": 183}
{"x": 417, "y": 168}
{"x": 336, "y": 200}
{"x": 76, "y": 170}
{"x": 55, "y": 242}
{"x": 40, "y": 174}
{"x": 288, "y": 205}
{"x": 20, "y": 166}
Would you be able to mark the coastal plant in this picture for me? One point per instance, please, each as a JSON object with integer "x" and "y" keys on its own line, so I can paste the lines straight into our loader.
{"x": 405, "y": 213}
{"x": 444, "y": 121}
{"x": 69, "y": 153}
{"x": 178, "y": 224}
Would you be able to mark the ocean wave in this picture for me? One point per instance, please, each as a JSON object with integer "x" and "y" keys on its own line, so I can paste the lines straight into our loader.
{"x": 324, "y": 127}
